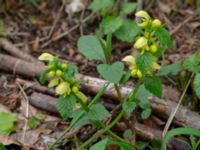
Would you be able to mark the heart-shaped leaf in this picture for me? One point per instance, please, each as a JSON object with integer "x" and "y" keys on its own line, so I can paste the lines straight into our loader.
{"x": 112, "y": 73}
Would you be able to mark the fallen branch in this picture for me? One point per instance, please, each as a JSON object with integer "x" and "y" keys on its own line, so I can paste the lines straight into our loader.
{"x": 160, "y": 107}
{"x": 47, "y": 103}
{"x": 10, "y": 48}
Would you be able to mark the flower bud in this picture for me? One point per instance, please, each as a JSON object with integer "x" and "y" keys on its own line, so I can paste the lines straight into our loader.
{"x": 156, "y": 23}
{"x": 140, "y": 43}
{"x": 75, "y": 89}
{"x": 51, "y": 74}
{"x": 144, "y": 18}
{"x": 154, "y": 48}
{"x": 59, "y": 73}
{"x": 143, "y": 14}
{"x": 64, "y": 66}
{"x": 134, "y": 72}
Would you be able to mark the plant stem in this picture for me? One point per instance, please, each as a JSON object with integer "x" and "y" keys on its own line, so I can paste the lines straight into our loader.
{"x": 99, "y": 94}
{"x": 97, "y": 134}
{"x": 118, "y": 93}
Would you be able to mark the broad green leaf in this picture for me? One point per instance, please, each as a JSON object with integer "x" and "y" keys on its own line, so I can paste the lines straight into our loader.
{"x": 101, "y": 4}
{"x": 192, "y": 63}
{"x": 142, "y": 96}
{"x": 111, "y": 23}
{"x": 112, "y": 73}
{"x": 163, "y": 36}
{"x": 144, "y": 62}
{"x": 172, "y": 69}
{"x": 146, "y": 113}
{"x": 98, "y": 112}
{"x": 65, "y": 105}
{"x": 90, "y": 47}
{"x": 128, "y": 8}
{"x": 100, "y": 145}
{"x": 127, "y": 31}
{"x": 154, "y": 85}
{"x": 80, "y": 118}
{"x": 178, "y": 131}
{"x": 129, "y": 106}
{"x": 7, "y": 123}
{"x": 196, "y": 84}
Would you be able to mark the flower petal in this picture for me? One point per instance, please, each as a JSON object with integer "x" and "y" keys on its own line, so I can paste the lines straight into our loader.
{"x": 140, "y": 43}
{"x": 129, "y": 59}
{"x": 63, "y": 88}
{"x": 53, "y": 82}
{"x": 46, "y": 56}
{"x": 143, "y": 14}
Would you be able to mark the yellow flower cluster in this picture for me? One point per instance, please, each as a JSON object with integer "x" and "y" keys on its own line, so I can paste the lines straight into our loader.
{"x": 145, "y": 43}
{"x": 56, "y": 71}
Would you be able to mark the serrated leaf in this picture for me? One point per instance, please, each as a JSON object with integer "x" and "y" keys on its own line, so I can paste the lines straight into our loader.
{"x": 164, "y": 37}
{"x": 101, "y": 4}
{"x": 129, "y": 106}
{"x": 127, "y": 31}
{"x": 146, "y": 113}
{"x": 144, "y": 62}
{"x": 112, "y": 73}
{"x": 7, "y": 123}
{"x": 111, "y": 23}
{"x": 172, "y": 69}
{"x": 192, "y": 63}
{"x": 98, "y": 112}
{"x": 65, "y": 105}
{"x": 100, "y": 145}
{"x": 90, "y": 47}
{"x": 154, "y": 85}
{"x": 196, "y": 84}
{"x": 80, "y": 118}
{"x": 128, "y": 8}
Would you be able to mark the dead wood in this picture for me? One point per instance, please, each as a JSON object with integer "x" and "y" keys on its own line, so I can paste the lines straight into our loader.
{"x": 161, "y": 107}
{"x": 13, "y": 50}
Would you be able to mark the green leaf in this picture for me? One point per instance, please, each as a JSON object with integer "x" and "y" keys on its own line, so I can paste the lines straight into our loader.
{"x": 192, "y": 63}
{"x": 128, "y": 8}
{"x": 33, "y": 123}
{"x": 129, "y": 106}
{"x": 32, "y": 2}
{"x": 2, "y": 147}
{"x": 172, "y": 69}
{"x": 65, "y": 105}
{"x": 127, "y": 31}
{"x": 7, "y": 123}
{"x": 144, "y": 62}
{"x": 125, "y": 77}
{"x": 163, "y": 36}
{"x": 154, "y": 85}
{"x": 123, "y": 146}
{"x": 146, "y": 113}
{"x": 196, "y": 84}
{"x": 127, "y": 133}
{"x": 112, "y": 73}
{"x": 43, "y": 75}
{"x": 80, "y": 118}
{"x": 101, "y": 4}
{"x": 39, "y": 116}
{"x": 90, "y": 47}
{"x": 111, "y": 23}
{"x": 100, "y": 145}
{"x": 178, "y": 131}
{"x": 98, "y": 112}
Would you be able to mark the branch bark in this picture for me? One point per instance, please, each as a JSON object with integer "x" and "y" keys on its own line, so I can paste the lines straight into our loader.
{"x": 163, "y": 107}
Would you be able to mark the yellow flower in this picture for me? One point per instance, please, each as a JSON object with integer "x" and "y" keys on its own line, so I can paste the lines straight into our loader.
{"x": 156, "y": 23}
{"x": 82, "y": 96}
{"x": 63, "y": 89}
{"x": 154, "y": 48}
{"x": 46, "y": 57}
{"x": 155, "y": 66}
{"x": 145, "y": 18}
{"x": 129, "y": 59}
{"x": 140, "y": 43}
{"x": 53, "y": 82}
